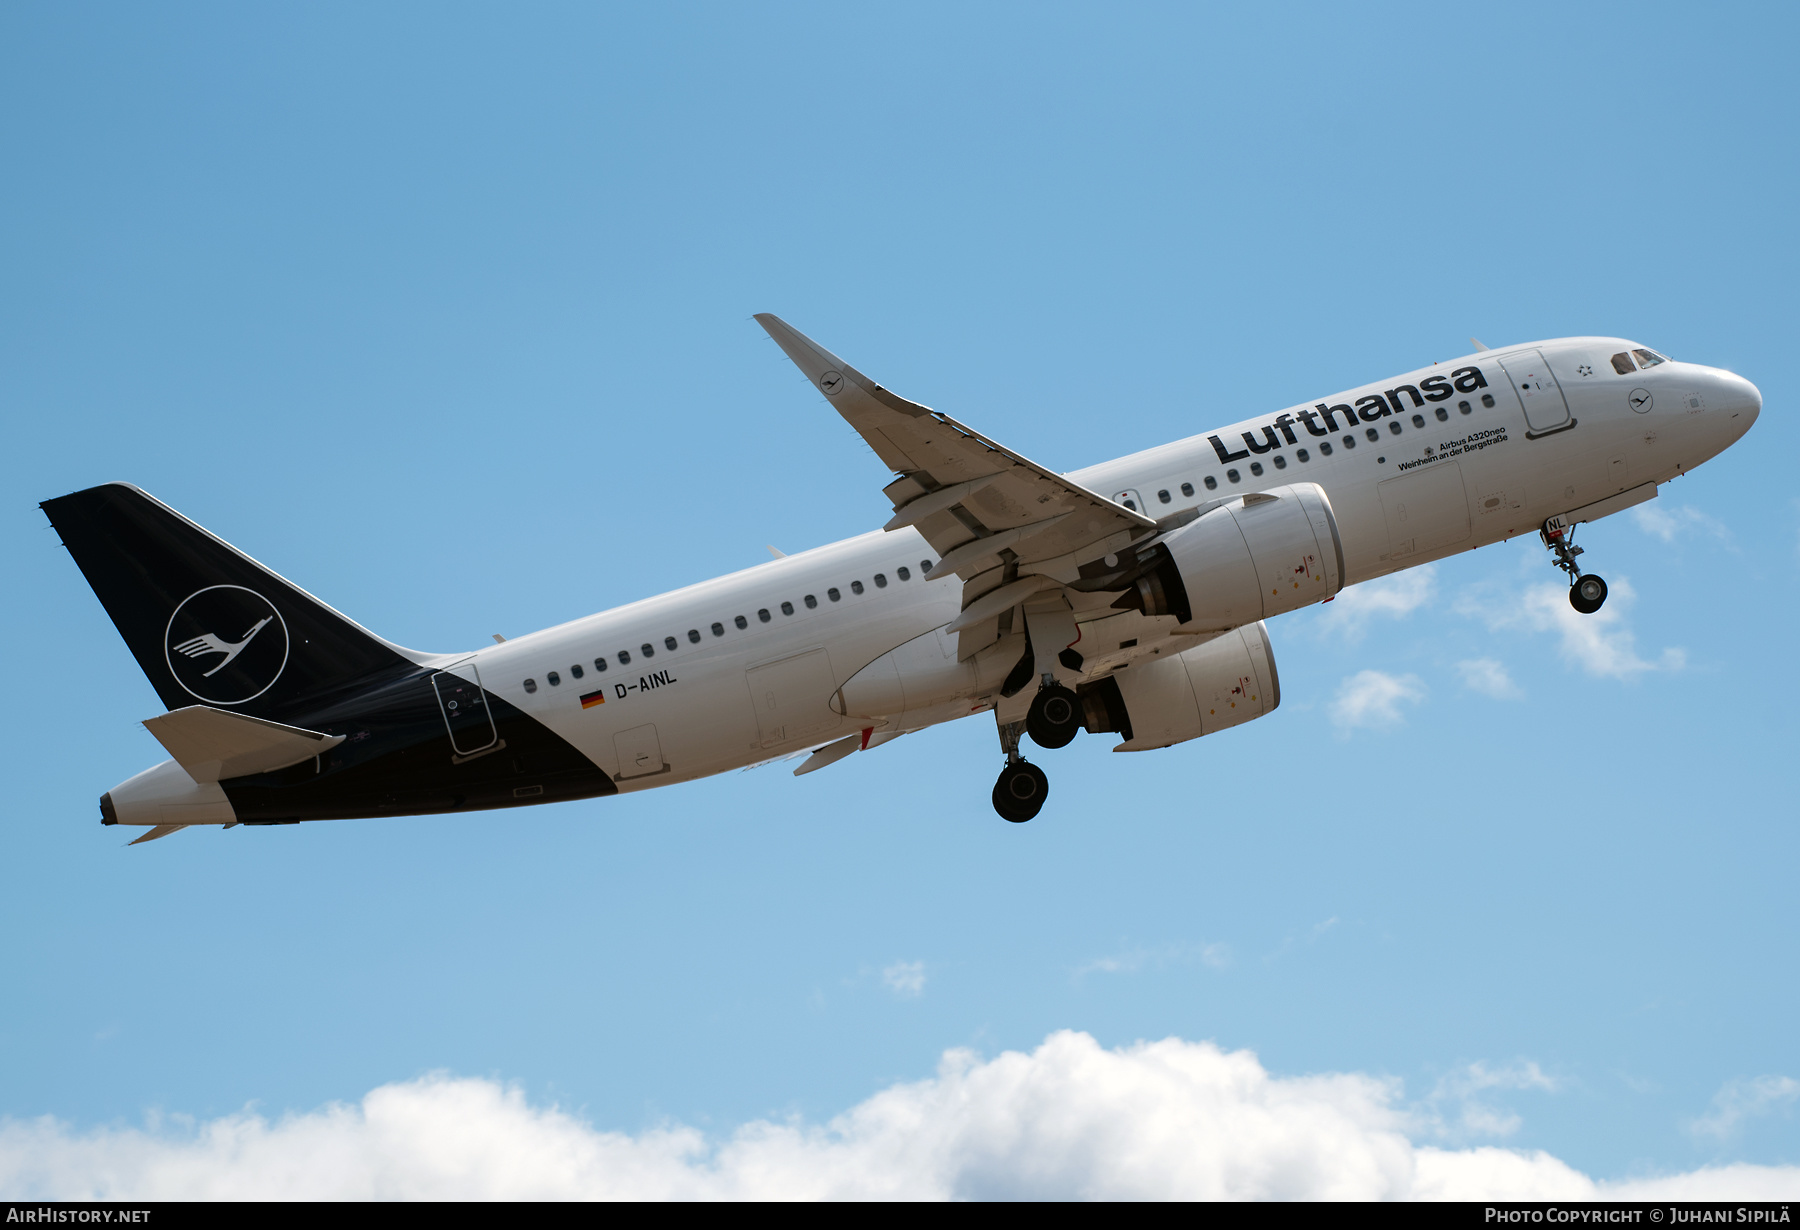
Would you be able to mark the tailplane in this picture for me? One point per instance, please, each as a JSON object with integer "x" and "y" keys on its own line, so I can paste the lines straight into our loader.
{"x": 208, "y": 624}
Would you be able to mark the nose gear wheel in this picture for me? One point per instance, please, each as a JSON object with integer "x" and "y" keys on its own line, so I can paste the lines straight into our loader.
{"x": 1587, "y": 590}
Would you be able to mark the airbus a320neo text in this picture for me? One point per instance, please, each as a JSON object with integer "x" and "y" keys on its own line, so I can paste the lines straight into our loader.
{"x": 1128, "y": 599}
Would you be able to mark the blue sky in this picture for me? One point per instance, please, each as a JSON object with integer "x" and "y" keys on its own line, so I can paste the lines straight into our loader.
{"x": 444, "y": 312}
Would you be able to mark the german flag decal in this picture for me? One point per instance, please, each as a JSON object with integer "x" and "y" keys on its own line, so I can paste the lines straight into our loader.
{"x": 593, "y": 698}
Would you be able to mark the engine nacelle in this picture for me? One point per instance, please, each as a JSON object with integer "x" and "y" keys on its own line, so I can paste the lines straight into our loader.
{"x": 1225, "y": 682}
{"x": 1253, "y": 558}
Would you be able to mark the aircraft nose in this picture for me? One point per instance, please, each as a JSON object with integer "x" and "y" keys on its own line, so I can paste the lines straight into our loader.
{"x": 1742, "y": 400}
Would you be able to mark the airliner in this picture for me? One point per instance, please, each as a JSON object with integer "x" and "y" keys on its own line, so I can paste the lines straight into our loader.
{"x": 1129, "y": 599}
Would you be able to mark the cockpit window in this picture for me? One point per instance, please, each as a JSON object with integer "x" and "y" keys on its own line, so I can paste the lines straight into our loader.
{"x": 1649, "y": 358}
{"x": 1622, "y": 363}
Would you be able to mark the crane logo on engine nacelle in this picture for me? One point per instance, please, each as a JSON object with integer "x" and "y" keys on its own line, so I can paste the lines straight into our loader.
{"x": 226, "y": 645}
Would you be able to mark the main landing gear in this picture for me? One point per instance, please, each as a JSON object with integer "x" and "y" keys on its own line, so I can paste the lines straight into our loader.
{"x": 1053, "y": 721}
{"x": 1587, "y": 591}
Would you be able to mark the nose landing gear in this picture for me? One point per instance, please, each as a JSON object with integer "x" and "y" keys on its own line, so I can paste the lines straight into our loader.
{"x": 1587, "y": 590}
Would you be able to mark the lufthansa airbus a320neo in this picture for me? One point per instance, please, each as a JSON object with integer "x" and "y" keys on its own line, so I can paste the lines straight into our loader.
{"x": 1127, "y": 599}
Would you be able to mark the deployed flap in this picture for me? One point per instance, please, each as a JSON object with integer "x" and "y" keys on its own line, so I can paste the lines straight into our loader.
{"x": 212, "y": 744}
{"x": 998, "y": 490}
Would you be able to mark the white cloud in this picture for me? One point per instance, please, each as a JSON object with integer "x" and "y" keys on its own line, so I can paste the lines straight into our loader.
{"x": 1745, "y": 1099}
{"x": 1455, "y": 1107}
{"x": 1395, "y": 596}
{"x": 1671, "y": 522}
{"x": 1161, "y": 1120}
{"x": 1373, "y": 698}
{"x": 1214, "y": 956}
{"x": 1488, "y": 676}
{"x": 1600, "y": 644}
{"x": 905, "y": 978}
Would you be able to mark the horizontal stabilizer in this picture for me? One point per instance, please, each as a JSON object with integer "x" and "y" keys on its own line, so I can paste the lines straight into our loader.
{"x": 212, "y": 744}
{"x": 161, "y": 830}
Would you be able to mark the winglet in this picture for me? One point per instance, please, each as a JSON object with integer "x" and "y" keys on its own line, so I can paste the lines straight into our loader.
{"x": 830, "y": 374}
{"x": 1477, "y": 343}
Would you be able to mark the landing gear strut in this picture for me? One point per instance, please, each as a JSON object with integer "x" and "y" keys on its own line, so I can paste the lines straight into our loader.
{"x": 1020, "y": 793}
{"x": 1587, "y": 590}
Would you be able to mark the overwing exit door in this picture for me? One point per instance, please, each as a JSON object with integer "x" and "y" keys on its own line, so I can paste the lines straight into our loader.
{"x": 1545, "y": 408}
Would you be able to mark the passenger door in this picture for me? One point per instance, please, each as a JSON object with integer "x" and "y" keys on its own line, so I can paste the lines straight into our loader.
{"x": 466, "y": 714}
{"x": 1546, "y": 410}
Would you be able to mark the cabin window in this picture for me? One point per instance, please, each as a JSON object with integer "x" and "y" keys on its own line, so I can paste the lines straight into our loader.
{"x": 624, "y": 657}
{"x": 553, "y": 679}
{"x": 1325, "y": 449}
{"x": 647, "y": 649}
{"x": 1232, "y": 475}
{"x": 1256, "y": 468}
{"x": 1394, "y": 428}
{"x": 833, "y": 594}
{"x": 811, "y": 602}
{"x": 1280, "y": 462}
{"x": 1187, "y": 489}
{"x": 1350, "y": 441}
{"x": 575, "y": 671}
{"x": 763, "y": 614}
{"x": 1212, "y": 483}
{"x": 718, "y": 629}
{"x": 600, "y": 664}
{"x": 903, "y": 572}
{"x": 1443, "y": 415}
{"x": 1622, "y": 363}
{"x": 1301, "y": 454}
{"x": 1487, "y": 399}
{"x": 924, "y": 565}
{"x": 1418, "y": 420}
{"x": 1648, "y": 358}
{"x": 531, "y": 685}
{"x": 880, "y": 580}
{"x": 1164, "y": 495}
{"x": 743, "y": 623}
{"x": 1372, "y": 434}
{"x": 856, "y": 587}
{"x": 1463, "y": 406}
{"x": 787, "y": 608}
{"x": 669, "y": 643}
{"x": 694, "y": 635}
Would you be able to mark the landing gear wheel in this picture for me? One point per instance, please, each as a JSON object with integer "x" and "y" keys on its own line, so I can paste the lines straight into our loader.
{"x": 1055, "y": 717}
{"x": 1020, "y": 793}
{"x": 1588, "y": 594}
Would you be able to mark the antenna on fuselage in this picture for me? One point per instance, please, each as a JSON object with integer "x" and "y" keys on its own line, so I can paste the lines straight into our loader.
{"x": 1476, "y": 342}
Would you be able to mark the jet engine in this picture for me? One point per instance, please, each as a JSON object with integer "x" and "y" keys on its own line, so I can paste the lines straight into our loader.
{"x": 1225, "y": 682}
{"x": 1250, "y": 558}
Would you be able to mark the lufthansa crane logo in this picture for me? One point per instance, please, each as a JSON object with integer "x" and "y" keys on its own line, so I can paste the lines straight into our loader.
{"x": 226, "y": 644}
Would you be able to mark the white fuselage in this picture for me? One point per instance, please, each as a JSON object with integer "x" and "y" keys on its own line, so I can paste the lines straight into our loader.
{"x": 1433, "y": 487}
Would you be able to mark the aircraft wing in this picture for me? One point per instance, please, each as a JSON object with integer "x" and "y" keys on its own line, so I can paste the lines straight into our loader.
{"x": 978, "y": 503}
